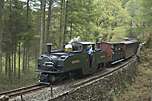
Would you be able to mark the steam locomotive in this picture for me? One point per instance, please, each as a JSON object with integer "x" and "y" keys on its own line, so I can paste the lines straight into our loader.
{"x": 58, "y": 65}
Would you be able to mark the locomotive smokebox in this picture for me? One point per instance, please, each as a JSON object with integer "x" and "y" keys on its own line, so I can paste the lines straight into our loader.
{"x": 49, "y": 47}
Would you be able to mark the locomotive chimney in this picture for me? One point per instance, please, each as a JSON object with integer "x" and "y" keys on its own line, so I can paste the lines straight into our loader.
{"x": 49, "y": 47}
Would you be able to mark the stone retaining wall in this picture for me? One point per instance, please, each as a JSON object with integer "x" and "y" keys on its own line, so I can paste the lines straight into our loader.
{"x": 105, "y": 88}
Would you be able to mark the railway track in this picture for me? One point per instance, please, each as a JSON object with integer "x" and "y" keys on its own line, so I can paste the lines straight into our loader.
{"x": 99, "y": 75}
{"x": 23, "y": 90}
{"x": 60, "y": 89}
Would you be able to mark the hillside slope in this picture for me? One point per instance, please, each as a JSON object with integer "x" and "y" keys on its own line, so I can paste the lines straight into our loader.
{"x": 141, "y": 89}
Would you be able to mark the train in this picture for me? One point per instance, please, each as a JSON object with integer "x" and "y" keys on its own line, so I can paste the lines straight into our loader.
{"x": 82, "y": 58}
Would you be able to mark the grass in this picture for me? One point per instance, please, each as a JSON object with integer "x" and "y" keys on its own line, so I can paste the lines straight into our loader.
{"x": 141, "y": 89}
{"x": 26, "y": 79}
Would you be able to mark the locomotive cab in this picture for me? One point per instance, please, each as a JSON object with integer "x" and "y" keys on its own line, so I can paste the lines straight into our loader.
{"x": 90, "y": 58}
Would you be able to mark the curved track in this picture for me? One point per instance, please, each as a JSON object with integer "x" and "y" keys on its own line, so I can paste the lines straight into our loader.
{"x": 103, "y": 74}
{"x": 23, "y": 90}
{"x": 68, "y": 86}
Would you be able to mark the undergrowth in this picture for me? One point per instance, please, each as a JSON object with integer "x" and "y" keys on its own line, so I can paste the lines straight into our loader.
{"x": 141, "y": 89}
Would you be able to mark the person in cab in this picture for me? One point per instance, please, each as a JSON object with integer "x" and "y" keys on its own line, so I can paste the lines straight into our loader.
{"x": 90, "y": 54}
{"x": 68, "y": 48}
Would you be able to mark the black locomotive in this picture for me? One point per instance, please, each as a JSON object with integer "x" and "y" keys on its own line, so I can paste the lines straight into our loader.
{"x": 82, "y": 58}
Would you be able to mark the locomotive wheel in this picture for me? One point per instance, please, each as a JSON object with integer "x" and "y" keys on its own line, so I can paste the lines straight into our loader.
{"x": 70, "y": 75}
{"x": 101, "y": 66}
{"x": 52, "y": 78}
{"x": 75, "y": 74}
{"x": 108, "y": 65}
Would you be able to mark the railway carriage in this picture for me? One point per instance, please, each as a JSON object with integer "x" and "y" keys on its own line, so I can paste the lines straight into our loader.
{"x": 118, "y": 51}
{"x": 113, "y": 51}
{"x": 130, "y": 48}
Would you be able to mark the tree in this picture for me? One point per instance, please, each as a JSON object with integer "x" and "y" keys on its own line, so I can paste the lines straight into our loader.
{"x": 49, "y": 20}
{"x": 1, "y": 31}
{"x": 62, "y": 22}
{"x": 42, "y": 33}
{"x": 147, "y": 12}
{"x": 80, "y": 19}
{"x": 114, "y": 19}
{"x": 147, "y": 22}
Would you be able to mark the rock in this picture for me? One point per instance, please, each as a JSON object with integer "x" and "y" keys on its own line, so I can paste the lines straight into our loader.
{"x": 4, "y": 98}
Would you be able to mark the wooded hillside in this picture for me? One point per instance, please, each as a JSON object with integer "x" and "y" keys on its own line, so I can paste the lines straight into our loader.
{"x": 27, "y": 25}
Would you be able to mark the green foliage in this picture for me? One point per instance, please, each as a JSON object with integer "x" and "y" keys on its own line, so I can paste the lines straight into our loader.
{"x": 113, "y": 18}
{"x": 110, "y": 20}
{"x": 147, "y": 11}
{"x": 99, "y": 18}
{"x": 81, "y": 18}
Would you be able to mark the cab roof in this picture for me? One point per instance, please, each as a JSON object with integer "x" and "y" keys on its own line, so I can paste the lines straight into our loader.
{"x": 112, "y": 42}
{"x": 129, "y": 42}
{"x": 86, "y": 43}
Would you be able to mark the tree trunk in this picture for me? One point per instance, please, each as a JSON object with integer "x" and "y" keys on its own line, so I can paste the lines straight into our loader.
{"x": 9, "y": 68}
{"x": 27, "y": 12}
{"x": 42, "y": 33}
{"x": 36, "y": 54}
{"x": 65, "y": 22}
{"x": 27, "y": 58}
{"x": 6, "y": 64}
{"x": 71, "y": 30}
{"x": 43, "y": 18}
{"x": 19, "y": 60}
{"x": 61, "y": 23}
{"x": 24, "y": 60}
{"x": 49, "y": 20}
{"x": 14, "y": 62}
{"x": 10, "y": 46}
{"x": 26, "y": 48}
{"x": 1, "y": 31}
{"x": 1, "y": 63}
{"x": 71, "y": 25}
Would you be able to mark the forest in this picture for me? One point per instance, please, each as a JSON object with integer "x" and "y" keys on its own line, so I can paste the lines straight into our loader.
{"x": 27, "y": 25}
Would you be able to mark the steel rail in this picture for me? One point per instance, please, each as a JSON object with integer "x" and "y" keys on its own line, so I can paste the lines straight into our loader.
{"x": 84, "y": 82}
{"x": 111, "y": 70}
{"x": 23, "y": 90}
